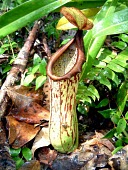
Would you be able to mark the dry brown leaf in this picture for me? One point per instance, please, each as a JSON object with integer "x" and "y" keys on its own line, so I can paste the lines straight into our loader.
{"x": 31, "y": 165}
{"x": 30, "y": 92}
{"x": 41, "y": 140}
{"x": 97, "y": 140}
{"x": 19, "y": 132}
{"x": 22, "y": 96}
{"x": 47, "y": 156}
{"x": 32, "y": 113}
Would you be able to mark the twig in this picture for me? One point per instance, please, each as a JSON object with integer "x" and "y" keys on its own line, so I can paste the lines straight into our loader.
{"x": 46, "y": 48}
{"x": 18, "y": 67}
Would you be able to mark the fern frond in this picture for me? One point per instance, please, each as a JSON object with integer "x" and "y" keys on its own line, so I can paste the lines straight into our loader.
{"x": 107, "y": 66}
{"x": 87, "y": 94}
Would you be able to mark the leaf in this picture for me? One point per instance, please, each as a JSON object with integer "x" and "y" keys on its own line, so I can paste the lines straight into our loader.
{"x": 15, "y": 152}
{"x": 93, "y": 73}
{"x": 117, "y": 149}
{"x": 76, "y": 17}
{"x": 125, "y": 139}
{"x": 19, "y": 132}
{"x": 110, "y": 134}
{"x": 19, "y": 162}
{"x": 42, "y": 67}
{"x": 26, "y": 13}
{"x": 41, "y": 140}
{"x": 111, "y": 75}
{"x": 6, "y": 69}
{"x": 2, "y": 50}
{"x": 120, "y": 44}
{"x": 27, "y": 153}
{"x": 84, "y": 92}
{"x": 122, "y": 58}
{"x": 31, "y": 165}
{"x": 118, "y": 143}
{"x": 99, "y": 64}
{"x": 81, "y": 109}
{"x": 93, "y": 90}
{"x": 32, "y": 113}
{"x": 28, "y": 79}
{"x": 126, "y": 115}
{"x": 35, "y": 69}
{"x": 107, "y": 113}
{"x": 36, "y": 59}
{"x": 124, "y": 37}
{"x": 93, "y": 46}
{"x": 115, "y": 118}
{"x": 122, "y": 97}
{"x": 40, "y": 81}
{"x": 103, "y": 103}
{"x": 121, "y": 126}
{"x": 103, "y": 80}
{"x": 113, "y": 24}
{"x": 115, "y": 67}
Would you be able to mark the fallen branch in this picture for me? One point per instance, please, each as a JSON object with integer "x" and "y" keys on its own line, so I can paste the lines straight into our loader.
{"x": 18, "y": 67}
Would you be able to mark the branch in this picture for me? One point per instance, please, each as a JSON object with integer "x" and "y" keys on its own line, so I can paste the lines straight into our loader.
{"x": 18, "y": 67}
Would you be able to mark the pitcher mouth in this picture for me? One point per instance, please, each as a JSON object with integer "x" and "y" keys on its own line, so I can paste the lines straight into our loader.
{"x": 76, "y": 67}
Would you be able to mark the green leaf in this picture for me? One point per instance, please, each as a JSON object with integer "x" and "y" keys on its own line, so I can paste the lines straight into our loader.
{"x": 110, "y": 134}
{"x": 103, "y": 103}
{"x": 84, "y": 4}
{"x": 6, "y": 69}
{"x": 119, "y": 44}
{"x": 42, "y": 67}
{"x": 117, "y": 149}
{"x": 5, "y": 46}
{"x": 36, "y": 59}
{"x": 93, "y": 46}
{"x": 14, "y": 152}
{"x": 84, "y": 92}
{"x": 124, "y": 37}
{"x": 121, "y": 126}
{"x": 107, "y": 113}
{"x": 122, "y": 97}
{"x": 93, "y": 90}
{"x": 115, "y": 118}
{"x": 27, "y": 153}
{"x": 2, "y": 50}
{"x": 28, "y": 79}
{"x": 113, "y": 24}
{"x": 125, "y": 139}
{"x": 115, "y": 67}
{"x": 27, "y": 13}
{"x": 111, "y": 75}
{"x": 118, "y": 143}
{"x": 99, "y": 64}
{"x": 83, "y": 99}
{"x": 40, "y": 81}
{"x": 19, "y": 162}
{"x": 93, "y": 73}
{"x": 126, "y": 115}
{"x": 81, "y": 109}
{"x": 35, "y": 69}
{"x": 103, "y": 80}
